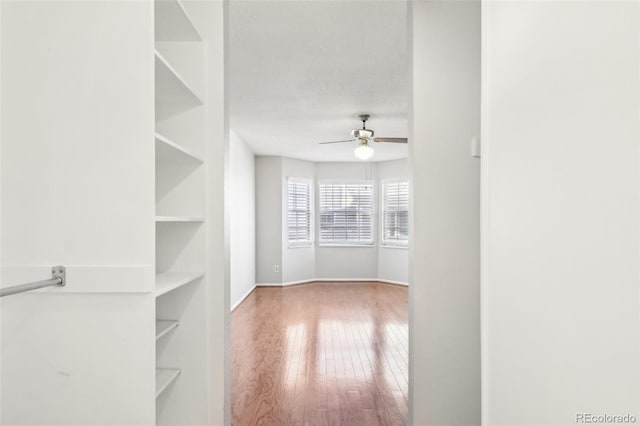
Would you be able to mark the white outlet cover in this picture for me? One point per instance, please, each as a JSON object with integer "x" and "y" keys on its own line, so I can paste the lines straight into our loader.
{"x": 475, "y": 148}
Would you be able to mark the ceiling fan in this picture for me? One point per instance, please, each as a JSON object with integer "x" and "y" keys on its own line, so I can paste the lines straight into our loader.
{"x": 363, "y": 136}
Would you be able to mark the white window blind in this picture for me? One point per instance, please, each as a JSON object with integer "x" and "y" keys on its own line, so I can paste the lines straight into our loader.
{"x": 346, "y": 214}
{"x": 395, "y": 213}
{"x": 299, "y": 216}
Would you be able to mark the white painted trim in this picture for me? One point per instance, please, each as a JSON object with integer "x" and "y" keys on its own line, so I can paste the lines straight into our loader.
{"x": 394, "y": 246}
{"x": 485, "y": 226}
{"x": 244, "y": 296}
{"x": 350, "y": 245}
{"x": 297, "y": 246}
{"x": 284, "y": 284}
{"x": 411, "y": 167}
{"x": 345, "y": 279}
{"x": 393, "y": 282}
{"x": 290, "y": 283}
{"x": 297, "y": 282}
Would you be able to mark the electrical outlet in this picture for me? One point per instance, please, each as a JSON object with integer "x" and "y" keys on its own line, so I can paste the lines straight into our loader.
{"x": 276, "y": 268}
{"x": 475, "y": 148}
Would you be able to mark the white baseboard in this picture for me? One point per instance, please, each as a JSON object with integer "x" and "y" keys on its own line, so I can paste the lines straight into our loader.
{"x": 393, "y": 282}
{"x": 284, "y": 284}
{"x": 345, "y": 279}
{"x": 244, "y": 296}
{"x": 375, "y": 280}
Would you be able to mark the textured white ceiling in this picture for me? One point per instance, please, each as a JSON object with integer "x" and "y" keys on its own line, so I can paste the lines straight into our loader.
{"x": 301, "y": 71}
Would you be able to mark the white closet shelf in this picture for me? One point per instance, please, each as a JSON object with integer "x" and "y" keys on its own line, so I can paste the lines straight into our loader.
{"x": 170, "y": 152}
{"x": 171, "y": 88}
{"x": 164, "y": 377}
{"x": 179, "y": 219}
{"x": 168, "y": 281}
{"x": 164, "y": 326}
{"x": 173, "y": 23}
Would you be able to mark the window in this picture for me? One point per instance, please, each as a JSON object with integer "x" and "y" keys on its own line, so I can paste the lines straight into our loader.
{"x": 395, "y": 214}
{"x": 299, "y": 216}
{"x": 346, "y": 214}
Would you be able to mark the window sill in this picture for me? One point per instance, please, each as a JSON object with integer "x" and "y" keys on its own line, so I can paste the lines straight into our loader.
{"x": 391, "y": 246}
{"x": 297, "y": 246}
{"x": 347, "y": 245}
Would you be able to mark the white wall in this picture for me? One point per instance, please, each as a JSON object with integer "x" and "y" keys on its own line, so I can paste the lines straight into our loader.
{"x": 298, "y": 263}
{"x": 393, "y": 262}
{"x": 268, "y": 187}
{"x": 444, "y": 357}
{"x": 308, "y": 263}
{"x": 560, "y": 213}
{"x": 242, "y": 219}
{"x": 77, "y": 189}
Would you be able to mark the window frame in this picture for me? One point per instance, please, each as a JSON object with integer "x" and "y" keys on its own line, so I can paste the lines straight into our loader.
{"x": 395, "y": 244}
{"x": 334, "y": 243}
{"x": 301, "y": 243}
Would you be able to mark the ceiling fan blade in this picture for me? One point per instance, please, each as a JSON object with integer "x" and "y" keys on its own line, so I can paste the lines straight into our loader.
{"x": 393, "y": 140}
{"x": 349, "y": 140}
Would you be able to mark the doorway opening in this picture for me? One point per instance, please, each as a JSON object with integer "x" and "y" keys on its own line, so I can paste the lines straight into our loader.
{"x": 319, "y": 212}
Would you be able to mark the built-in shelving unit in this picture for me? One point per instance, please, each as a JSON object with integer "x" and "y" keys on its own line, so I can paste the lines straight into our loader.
{"x": 178, "y": 219}
{"x": 173, "y": 23}
{"x": 171, "y": 87}
{"x": 164, "y": 378}
{"x": 180, "y": 172}
{"x": 169, "y": 151}
{"x": 168, "y": 281}
{"x": 163, "y": 327}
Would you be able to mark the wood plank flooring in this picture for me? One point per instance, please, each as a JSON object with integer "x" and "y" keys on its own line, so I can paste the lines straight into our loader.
{"x": 321, "y": 354}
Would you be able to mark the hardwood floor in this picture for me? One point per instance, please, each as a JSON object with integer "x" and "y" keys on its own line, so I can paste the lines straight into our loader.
{"x": 321, "y": 354}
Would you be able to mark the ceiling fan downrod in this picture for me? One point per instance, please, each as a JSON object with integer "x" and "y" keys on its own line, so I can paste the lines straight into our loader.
{"x": 364, "y": 118}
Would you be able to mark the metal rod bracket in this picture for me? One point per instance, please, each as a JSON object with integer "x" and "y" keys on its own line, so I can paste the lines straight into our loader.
{"x": 58, "y": 279}
{"x": 61, "y": 273}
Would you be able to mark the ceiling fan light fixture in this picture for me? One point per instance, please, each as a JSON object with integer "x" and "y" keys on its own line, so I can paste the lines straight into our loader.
{"x": 364, "y": 136}
{"x": 362, "y": 133}
{"x": 363, "y": 151}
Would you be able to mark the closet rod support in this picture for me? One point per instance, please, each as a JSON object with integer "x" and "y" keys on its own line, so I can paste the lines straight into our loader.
{"x": 58, "y": 279}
